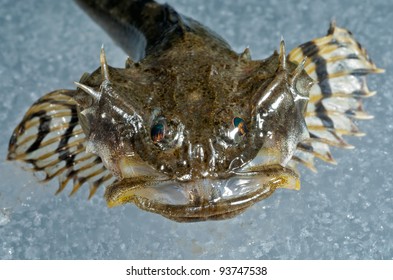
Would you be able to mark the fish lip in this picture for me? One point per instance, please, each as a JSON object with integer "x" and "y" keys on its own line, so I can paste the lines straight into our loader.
{"x": 201, "y": 199}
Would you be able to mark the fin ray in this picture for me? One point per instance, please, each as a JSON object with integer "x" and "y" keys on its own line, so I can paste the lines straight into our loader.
{"x": 339, "y": 65}
{"x": 50, "y": 139}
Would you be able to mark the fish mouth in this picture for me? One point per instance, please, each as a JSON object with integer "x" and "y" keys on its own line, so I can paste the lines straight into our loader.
{"x": 202, "y": 199}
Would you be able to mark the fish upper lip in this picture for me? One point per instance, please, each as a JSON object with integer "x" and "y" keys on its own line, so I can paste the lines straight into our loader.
{"x": 202, "y": 198}
{"x": 187, "y": 178}
{"x": 230, "y": 174}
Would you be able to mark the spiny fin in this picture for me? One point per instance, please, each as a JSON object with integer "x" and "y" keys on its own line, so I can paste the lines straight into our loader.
{"x": 104, "y": 65}
{"x": 50, "y": 139}
{"x": 339, "y": 65}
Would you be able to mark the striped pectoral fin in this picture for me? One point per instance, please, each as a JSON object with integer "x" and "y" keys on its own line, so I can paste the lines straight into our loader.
{"x": 50, "y": 139}
{"x": 339, "y": 65}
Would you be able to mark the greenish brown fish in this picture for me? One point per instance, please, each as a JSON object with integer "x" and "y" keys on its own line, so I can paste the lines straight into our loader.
{"x": 190, "y": 129}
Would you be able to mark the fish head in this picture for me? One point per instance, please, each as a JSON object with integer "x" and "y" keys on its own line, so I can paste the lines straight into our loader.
{"x": 195, "y": 147}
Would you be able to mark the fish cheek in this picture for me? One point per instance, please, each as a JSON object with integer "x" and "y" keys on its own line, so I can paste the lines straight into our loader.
{"x": 279, "y": 124}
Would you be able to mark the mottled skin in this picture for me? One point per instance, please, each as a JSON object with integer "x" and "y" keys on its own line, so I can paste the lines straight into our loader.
{"x": 192, "y": 82}
{"x": 200, "y": 90}
{"x": 189, "y": 129}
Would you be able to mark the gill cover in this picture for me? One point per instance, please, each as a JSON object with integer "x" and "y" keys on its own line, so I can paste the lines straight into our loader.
{"x": 279, "y": 109}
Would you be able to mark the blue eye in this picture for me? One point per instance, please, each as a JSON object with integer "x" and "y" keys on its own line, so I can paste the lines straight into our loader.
{"x": 240, "y": 124}
{"x": 157, "y": 132}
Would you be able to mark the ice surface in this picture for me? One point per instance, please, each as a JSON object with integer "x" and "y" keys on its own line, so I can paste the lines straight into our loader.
{"x": 343, "y": 212}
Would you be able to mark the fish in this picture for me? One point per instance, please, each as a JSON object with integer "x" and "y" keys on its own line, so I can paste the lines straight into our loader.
{"x": 189, "y": 128}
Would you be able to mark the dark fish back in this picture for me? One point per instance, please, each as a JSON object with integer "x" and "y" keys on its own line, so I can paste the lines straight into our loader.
{"x": 144, "y": 27}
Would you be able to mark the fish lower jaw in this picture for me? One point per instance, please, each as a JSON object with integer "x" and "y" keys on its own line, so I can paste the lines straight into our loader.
{"x": 201, "y": 199}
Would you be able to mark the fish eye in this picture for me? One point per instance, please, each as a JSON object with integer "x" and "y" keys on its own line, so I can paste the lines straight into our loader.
{"x": 166, "y": 134}
{"x": 237, "y": 130}
{"x": 158, "y": 131}
{"x": 240, "y": 125}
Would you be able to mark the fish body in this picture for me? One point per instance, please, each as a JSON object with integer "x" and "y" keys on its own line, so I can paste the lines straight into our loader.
{"x": 190, "y": 129}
